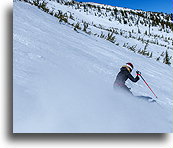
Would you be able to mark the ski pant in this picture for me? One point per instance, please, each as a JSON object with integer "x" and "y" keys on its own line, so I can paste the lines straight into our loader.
{"x": 122, "y": 88}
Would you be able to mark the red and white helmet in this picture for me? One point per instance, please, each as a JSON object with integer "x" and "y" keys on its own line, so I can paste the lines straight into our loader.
{"x": 130, "y": 65}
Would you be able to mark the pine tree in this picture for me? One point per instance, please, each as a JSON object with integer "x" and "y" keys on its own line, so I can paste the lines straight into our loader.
{"x": 102, "y": 35}
{"x": 151, "y": 54}
{"x": 85, "y": 26}
{"x": 167, "y": 59}
{"x": 77, "y": 26}
{"x": 110, "y": 37}
{"x": 158, "y": 59}
{"x": 115, "y": 11}
{"x": 144, "y": 52}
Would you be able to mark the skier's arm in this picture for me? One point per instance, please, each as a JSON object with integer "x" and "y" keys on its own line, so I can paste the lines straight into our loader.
{"x": 132, "y": 78}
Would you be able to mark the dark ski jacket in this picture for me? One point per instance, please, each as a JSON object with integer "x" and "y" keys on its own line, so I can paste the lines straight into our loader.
{"x": 122, "y": 76}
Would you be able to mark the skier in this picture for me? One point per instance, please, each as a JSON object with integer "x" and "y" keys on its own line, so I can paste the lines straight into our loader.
{"x": 123, "y": 75}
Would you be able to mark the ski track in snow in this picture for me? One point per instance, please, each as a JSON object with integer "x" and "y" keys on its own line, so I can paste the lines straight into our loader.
{"x": 63, "y": 81}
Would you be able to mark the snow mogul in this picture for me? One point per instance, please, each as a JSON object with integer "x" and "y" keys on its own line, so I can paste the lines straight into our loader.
{"x": 123, "y": 75}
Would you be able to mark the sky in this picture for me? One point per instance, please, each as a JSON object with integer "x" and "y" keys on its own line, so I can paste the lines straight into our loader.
{"x": 146, "y": 5}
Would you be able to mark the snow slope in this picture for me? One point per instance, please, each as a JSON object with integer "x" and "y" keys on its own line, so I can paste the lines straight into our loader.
{"x": 63, "y": 80}
{"x": 131, "y": 27}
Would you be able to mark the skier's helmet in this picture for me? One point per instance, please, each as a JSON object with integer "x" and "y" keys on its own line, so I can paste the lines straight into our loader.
{"x": 130, "y": 65}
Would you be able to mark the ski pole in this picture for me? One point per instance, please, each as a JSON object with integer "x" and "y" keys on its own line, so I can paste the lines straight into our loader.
{"x": 139, "y": 74}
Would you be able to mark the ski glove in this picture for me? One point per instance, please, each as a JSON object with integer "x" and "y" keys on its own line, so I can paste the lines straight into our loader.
{"x": 138, "y": 73}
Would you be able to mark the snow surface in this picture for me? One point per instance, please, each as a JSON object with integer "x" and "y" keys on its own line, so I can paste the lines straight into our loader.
{"x": 63, "y": 80}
